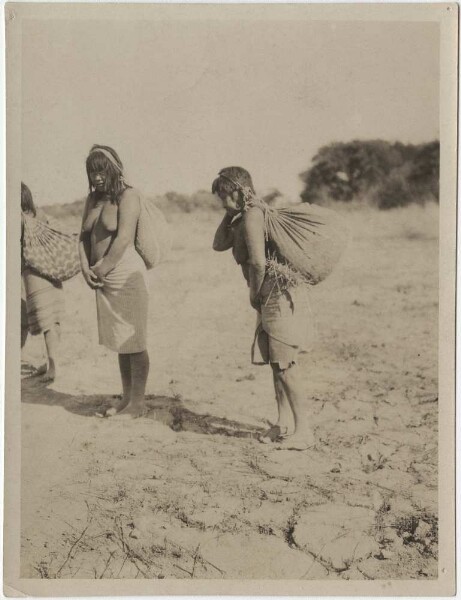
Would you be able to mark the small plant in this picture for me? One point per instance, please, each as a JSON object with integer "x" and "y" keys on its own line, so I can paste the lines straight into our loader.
{"x": 284, "y": 275}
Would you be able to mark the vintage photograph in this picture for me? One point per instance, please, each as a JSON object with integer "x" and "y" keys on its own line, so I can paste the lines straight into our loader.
{"x": 225, "y": 236}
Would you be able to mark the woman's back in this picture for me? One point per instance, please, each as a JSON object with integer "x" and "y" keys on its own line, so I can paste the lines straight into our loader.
{"x": 33, "y": 282}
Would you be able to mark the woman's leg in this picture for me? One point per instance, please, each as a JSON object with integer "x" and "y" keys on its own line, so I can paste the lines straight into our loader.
{"x": 125, "y": 372}
{"x": 139, "y": 366}
{"x": 24, "y": 323}
{"x": 303, "y": 436}
{"x": 52, "y": 338}
{"x": 139, "y": 373}
{"x": 285, "y": 418}
{"x": 24, "y": 334}
{"x": 284, "y": 422}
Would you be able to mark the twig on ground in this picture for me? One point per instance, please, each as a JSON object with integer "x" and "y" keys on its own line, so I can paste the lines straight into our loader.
{"x": 71, "y": 549}
{"x": 107, "y": 564}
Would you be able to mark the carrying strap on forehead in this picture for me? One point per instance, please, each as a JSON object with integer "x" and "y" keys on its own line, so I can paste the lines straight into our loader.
{"x": 108, "y": 155}
{"x": 246, "y": 191}
{"x": 250, "y": 199}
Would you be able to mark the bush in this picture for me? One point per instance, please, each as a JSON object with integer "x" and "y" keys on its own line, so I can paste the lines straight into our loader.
{"x": 386, "y": 174}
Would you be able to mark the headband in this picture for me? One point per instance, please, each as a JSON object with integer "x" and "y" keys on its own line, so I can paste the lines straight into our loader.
{"x": 246, "y": 191}
{"x": 108, "y": 155}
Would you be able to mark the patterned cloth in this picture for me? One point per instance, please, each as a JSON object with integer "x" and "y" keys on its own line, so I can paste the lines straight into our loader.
{"x": 122, "y": 305}
{"x": 44, "y": 302}
{"x": 284, "y": 327}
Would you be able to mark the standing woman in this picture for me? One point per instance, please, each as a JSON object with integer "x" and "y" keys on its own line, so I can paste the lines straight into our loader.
{"x": 43, "y": 308}
{"x": 111, "y": 266}
{"x": 283, "y": 315}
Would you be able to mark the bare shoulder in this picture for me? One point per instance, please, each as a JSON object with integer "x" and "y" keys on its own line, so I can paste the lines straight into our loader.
{"x": 89, "y": 202}
{"x": 130, "y": 199}
{"x": 253, "y": 217}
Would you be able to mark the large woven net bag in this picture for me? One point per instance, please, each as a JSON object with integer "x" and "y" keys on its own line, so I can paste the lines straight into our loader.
{"x": 152, "y": 241}
{"x": 51, "y": 253}
{"x": 310, "y": 238}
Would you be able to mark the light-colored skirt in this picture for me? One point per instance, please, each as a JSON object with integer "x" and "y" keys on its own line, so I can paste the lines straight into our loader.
{"x": 285, "y": 326}
{"x": 122, "y": 305}
{"x": 44, "y": 303}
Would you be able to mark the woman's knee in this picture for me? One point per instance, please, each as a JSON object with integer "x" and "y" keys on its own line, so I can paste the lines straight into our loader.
{"x": 283, "y": 367}
{"x": 140, "y": 359}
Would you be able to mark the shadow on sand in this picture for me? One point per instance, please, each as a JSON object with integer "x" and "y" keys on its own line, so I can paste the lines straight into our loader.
{"x": 167, "y": 410}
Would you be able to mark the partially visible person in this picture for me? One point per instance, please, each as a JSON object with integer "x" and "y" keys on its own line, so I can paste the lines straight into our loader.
{"x": 24, "y": 321}
{"x": 113, "y": 268}
{"x": 42, "y": 308}
{"x": 283, "y": 314}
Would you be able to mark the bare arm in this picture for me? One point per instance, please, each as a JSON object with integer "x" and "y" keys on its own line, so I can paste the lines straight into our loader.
{"x": 84, "y": 251}
{"x": 128, "y": 215}
{"x": 84, "y": 243}
{"x": 254, "y": 237}
{"x": 224, "y": 236}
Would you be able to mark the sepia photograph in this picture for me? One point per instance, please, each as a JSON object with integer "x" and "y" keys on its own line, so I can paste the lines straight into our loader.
{"x": 231, "y": 244}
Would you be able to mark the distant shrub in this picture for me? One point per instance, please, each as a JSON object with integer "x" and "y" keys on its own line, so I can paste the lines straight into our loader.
{"x": 169, "y": 202}
{"x": 376, "y": 172}
{"x": 174, "y": 202}
{"x": 393, "y": 192}
{"x": 64, "y": 211}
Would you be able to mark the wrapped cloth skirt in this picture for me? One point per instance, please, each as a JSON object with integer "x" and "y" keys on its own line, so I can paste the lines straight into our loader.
{"x": 122, "y": 305}
{"x": 285, "y": 326}
{"x": 43, "y": 306}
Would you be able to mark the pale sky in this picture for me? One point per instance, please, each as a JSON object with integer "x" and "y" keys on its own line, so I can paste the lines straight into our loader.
{"x": 180, "y": 100}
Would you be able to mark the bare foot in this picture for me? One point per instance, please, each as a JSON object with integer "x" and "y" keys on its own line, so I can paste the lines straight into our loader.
{"x": 49, "y": 376}
{"x": 274, "y": 433}
{"x": 297, "y": 441}
{"x": 41, "y": 370}
{"x": 115, "y": 410}
{"x": 112, "y": 410}
{"x": 130, "y": 412}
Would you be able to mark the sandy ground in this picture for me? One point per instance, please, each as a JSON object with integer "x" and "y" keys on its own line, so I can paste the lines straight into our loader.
{"x": 188, "y": 491}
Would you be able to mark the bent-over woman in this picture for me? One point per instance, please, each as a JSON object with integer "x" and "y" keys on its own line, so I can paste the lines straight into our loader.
{"x": 283, "y": 314}
{"x": 111, "y": 266}
{"x": 42, "y": 308}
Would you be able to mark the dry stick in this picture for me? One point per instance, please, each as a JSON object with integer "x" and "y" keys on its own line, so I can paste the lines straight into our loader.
{"x": 71, "y": 549}
{"x": 195, "y": 560}
{"x": 253, "y": 464}
{"x": 107, "y": 564}
{"x": 133, "y": 557}
{"x": 214, "y": 566}
{"x": 123, "y": 564}
{"x": 185, "y": 570}
{"x": 74, "y": 574}
{"x": 130, "y": 553}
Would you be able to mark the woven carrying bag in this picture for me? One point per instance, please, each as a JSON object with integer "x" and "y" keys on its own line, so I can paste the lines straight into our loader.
{"x": 152, "y": 240}
{"x": 310, "y": 238}
{"x": 49, "y": 252}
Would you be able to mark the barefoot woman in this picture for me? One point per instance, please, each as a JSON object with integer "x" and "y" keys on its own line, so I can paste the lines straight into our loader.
{"x": 112, "y": 267}
{"x": 42, "y": 308}
{"x": 283, "y": 315}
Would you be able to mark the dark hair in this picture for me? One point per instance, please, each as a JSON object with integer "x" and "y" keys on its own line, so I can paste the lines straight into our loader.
{"x": 232, "y": 179}
{"x": 27, "y": 204}
{"x": 98, "y": 162}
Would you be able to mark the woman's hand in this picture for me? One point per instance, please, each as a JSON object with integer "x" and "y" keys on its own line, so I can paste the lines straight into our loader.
{"x": 91, "y": 279}
{"x": 99, "y": 270}
{"x": 255, "y": 240}
{"x": 224, "y": 236}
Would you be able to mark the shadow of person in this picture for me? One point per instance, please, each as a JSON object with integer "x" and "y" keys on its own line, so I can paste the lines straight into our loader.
{"x": 173, "y": 413}
{"x": 170, "y": 411}
{"x": 35, "y": 391}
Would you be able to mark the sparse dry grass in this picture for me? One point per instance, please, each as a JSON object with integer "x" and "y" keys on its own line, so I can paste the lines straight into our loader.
{"x": 189, "y": 492}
